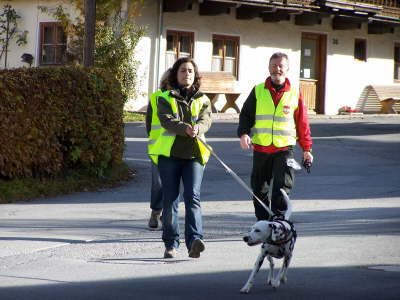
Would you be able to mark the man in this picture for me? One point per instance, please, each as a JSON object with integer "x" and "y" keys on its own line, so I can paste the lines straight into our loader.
{"x": 275, "y": 117}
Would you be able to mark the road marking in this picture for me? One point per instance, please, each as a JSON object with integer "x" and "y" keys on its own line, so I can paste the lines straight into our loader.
{"x": 386, "y": 268}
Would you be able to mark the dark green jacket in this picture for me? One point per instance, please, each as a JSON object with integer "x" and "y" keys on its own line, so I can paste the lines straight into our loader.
{"x": 184, "y": 146}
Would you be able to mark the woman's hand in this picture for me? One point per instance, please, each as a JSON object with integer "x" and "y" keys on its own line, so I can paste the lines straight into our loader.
{"x": 192, "y": 131}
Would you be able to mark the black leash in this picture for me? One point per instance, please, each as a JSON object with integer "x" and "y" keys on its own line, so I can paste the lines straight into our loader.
{"x": 235, "y": 176}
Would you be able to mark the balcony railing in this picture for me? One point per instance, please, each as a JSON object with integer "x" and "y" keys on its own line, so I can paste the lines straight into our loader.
{"x": 383, "y": 3}
{"x": 387, "y": 3}
{"x": 387, "y": 8}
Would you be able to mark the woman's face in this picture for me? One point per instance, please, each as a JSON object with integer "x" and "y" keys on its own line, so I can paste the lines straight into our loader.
{"x": 185, "y": 75}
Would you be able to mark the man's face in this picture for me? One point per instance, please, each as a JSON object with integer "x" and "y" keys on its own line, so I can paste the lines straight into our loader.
{"x": 186, "y": 74}
{"x": 278, "y": 68}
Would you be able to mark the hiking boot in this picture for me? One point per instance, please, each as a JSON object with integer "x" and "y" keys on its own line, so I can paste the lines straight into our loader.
{"x": 170, "y": 253}
{"x": 155, "y": 220}
{"x": 196, "y": 247}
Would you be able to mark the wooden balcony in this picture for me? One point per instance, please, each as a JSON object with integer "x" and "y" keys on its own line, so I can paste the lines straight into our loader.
{"x": 391, "y": 11}
{"x": 378, "y": 11}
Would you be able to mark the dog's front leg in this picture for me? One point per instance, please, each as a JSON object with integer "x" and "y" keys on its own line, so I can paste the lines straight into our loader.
{"x": 260, "y": 259}
{"x": 281, "y": 276}
{"x": 271, "y": 269}
{"x": 286, "y": 263}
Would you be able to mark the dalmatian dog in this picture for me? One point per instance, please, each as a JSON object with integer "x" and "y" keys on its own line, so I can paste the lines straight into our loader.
{"x": 277, "y": 238}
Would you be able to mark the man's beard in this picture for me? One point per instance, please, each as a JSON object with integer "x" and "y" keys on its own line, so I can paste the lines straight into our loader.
{"x": 277, "y": 78}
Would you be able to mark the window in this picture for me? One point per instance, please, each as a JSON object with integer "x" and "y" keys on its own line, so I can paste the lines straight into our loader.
{"x": 225, "y": 54}
{"x": 360, "y": 49}
{"x": 53, "y": 43}
{"x": 179, "y": 44}
{"x": 397, "y": 61}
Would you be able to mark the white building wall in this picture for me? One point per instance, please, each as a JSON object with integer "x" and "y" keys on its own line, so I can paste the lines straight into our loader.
{"x": 147, "y": 56}
{"x": 345, "y": 77}
{"x": 258, "y": 41}
{"x": 30, "y": 20}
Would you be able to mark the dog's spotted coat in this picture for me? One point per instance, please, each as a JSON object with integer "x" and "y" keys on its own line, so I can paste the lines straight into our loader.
{"x": 277, "y": 237}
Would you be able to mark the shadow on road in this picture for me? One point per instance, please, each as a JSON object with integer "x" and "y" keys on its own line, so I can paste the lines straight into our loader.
{"x": 339, "y": 222}
{"x": 303, "y": 283}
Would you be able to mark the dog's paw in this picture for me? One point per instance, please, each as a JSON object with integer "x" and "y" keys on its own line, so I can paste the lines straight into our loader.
{"x": 284, "y": 279}
{"x": 275, "y": 283}
{"x": 245, "y": 290}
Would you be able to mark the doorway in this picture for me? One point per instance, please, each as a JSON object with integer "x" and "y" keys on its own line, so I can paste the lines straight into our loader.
{"x": 312, "y": 71}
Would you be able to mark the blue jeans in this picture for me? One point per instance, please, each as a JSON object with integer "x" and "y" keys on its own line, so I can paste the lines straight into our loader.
{"x": 172, "y": 171}
{"x": 156, "y": 198}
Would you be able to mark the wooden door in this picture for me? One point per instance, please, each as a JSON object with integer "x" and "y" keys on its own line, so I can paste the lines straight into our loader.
{"x": 312, "y": 71}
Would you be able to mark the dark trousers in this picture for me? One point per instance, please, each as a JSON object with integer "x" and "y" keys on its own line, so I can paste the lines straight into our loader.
{"x": 172, "y": 172}
{"x": 156, "y": 198}
{"x": 271, "y": 169}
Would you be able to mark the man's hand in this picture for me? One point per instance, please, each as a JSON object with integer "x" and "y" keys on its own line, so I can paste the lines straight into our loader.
{"x": 307, "y": 156}
{"x": 245, "y": 142}
{"x": 192, "y": 131}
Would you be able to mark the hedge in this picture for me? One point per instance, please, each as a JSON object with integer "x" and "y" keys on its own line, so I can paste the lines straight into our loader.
{"x": 58, "y": 118}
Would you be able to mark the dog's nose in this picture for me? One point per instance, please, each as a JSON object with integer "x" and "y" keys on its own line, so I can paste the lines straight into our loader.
{"x": 246, "y": 239}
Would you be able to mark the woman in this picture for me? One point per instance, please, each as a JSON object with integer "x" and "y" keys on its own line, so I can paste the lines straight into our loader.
{"x": 184, "y": 114}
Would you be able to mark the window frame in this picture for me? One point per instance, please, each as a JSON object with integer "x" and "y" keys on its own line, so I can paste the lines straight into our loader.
{"x": 224, "y": 38}
{"x": 56, "y": 25}
{"x": 363, "y": 55}
{"x": 177, "y": 35}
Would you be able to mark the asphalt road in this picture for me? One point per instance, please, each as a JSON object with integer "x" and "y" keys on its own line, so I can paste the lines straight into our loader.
{"x": 95, "y": 245}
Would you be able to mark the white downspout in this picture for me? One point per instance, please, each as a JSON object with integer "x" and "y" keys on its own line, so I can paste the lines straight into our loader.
{"x": 37, "y": 36}
{"x": 158, "y": 46}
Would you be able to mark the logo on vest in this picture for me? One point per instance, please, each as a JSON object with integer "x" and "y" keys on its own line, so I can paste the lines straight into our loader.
{"x": 286, "y": 109}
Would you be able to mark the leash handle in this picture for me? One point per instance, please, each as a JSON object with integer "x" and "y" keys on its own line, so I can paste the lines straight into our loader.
{"x": 235, "y": 176}
{"x": 307, "y": 165}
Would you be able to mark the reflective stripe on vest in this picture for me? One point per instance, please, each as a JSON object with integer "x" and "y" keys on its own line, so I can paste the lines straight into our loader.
{"x": 275, "y": 125}
{"x": 195, "y": 110}
{"x": 165, "y": 140}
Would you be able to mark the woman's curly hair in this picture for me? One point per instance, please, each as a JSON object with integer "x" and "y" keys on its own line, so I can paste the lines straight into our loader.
{"x": 172, "y": 78}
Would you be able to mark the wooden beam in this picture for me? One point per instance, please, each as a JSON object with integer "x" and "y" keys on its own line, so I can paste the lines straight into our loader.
{"x": 274, "y": 17}
{"x": 176, "y": 5}
{"x": 308, "y": 19}
{"x": 347, "y": 23}
{"x": 214, "y": 8}
{"x": 380, "y": 28}
{"x": 247, "y": 12}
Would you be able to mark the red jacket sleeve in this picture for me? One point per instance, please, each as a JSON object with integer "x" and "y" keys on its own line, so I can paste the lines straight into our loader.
{"x": 302, "y": 125}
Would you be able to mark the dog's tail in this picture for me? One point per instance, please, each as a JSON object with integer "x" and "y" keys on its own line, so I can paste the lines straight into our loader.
{"x": 288, "y": 211}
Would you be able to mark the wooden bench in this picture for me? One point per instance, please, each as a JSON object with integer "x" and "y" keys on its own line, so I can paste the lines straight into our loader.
{"x": 216, "y": 83}
{"x": 387, "y": 95}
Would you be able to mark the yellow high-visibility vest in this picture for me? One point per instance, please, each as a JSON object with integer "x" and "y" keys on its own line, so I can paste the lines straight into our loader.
{"x": 275, "y": 125}
{"x": 165, "y": 139}
{"x": 155, "y": 129}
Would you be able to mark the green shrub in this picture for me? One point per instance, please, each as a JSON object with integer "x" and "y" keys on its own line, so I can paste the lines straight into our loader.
{"x": 59, "y": 118}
